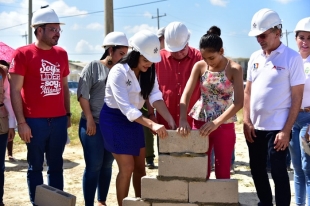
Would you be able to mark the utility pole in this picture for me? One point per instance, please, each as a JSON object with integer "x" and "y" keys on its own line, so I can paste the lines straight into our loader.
{"x": 25, "y": 35}
{"x": 286, "y": 34}
{"x": 108, "y": 14}
{"x": 153, "y": 17}
{"x": 29, "y": 22}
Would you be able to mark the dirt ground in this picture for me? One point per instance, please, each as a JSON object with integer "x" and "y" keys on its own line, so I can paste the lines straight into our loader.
{"x": 16, "y": 191}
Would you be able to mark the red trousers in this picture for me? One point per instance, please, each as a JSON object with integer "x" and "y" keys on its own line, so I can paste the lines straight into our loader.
{"x": 222, "y": 140}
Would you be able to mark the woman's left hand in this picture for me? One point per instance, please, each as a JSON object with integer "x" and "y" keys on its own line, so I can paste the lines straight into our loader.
{"x": 207, "y": 128}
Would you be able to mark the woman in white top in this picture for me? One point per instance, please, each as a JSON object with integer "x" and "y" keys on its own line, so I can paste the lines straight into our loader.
{"x": 301, "y": 160}
{"x": 130, "y": 83}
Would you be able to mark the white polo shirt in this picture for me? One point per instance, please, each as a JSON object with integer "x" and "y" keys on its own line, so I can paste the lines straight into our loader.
{"x": 123, "y": 92}
{"x": 272, "y": 78}
{"x": 306, "y": 95}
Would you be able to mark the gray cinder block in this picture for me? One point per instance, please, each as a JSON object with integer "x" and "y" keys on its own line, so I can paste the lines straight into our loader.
{"x": 183, "y": 167}
{"x": 193, "y": 143}
{"x": 50, "y": 196}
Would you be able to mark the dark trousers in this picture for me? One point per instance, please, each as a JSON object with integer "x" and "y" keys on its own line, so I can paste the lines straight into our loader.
{"x": 262, "y": 146}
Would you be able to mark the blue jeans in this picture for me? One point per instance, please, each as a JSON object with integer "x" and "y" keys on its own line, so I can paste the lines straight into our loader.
{"x": 263, "y": 146}
{"x": 300, "y": 160}
{"x": 49, "y": 136}
{"x": 3, "y": 143}
{"x": 98, "y": 161}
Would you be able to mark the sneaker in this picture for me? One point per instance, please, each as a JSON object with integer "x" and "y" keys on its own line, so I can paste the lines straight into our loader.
{"x": 232, "y": 169}
{"x": 150, "y": 165}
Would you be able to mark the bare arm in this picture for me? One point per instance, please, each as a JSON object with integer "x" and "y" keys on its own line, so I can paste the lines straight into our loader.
{"x": 66, "y": 98}
{"x": 90, "y": 125}
{"x": 184, "y": 127}
{"x": 248, "y": 128}
{"x": 16, "y": 84}
{"x": 283, "y": 137}
{"x": 158, "y": 128}
{"x": 162, "y": 109}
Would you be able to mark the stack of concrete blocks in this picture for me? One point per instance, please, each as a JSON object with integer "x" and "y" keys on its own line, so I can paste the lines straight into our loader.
{"x": 181, "y": 180}
{"x": 50, "y": 196}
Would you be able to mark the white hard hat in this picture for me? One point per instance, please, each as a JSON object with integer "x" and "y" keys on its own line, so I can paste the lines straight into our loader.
{"x": 147, "y": 44}
{"x": 176, "y": 36}
{"x": 44, "y": 15}
{"x": 263, "y": 20}
{"x": 303, "y": 25}
{"x": 161, "y": 32}
{"x": 115, "y": 39}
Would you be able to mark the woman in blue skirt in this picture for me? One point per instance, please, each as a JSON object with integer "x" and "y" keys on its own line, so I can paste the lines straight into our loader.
{"x": 130, "y": 83}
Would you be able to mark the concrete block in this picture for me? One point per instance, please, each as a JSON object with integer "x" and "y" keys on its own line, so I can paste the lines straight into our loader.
{"x": 214, "y": 191}
{"x": 132, "y": 201}
{"x": 181, "y": 166}
{"x": 173, "y": 190}
{"x": 193, "y": 143}
{"x": 50, "y": 196}
{"x": 174, "y": 204}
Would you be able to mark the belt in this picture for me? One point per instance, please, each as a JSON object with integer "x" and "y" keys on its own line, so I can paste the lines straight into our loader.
{"x": 305, "y": 109}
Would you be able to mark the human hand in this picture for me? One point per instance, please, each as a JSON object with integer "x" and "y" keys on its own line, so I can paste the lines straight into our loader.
{"x": 248, "y": 131}
{"x": 282, "y": 140}
{"x": 184, "y": 128}
{"x": 207, "y": 128}
{"x": 11, "y": 134}
{"x": 24, "y": 132}
{"x": 160, "y": 130}
{"x": 90, "y": 127}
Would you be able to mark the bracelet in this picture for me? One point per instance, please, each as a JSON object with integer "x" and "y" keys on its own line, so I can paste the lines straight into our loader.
{"x": 22, "y": 123}
{"x": 69, "y": 114}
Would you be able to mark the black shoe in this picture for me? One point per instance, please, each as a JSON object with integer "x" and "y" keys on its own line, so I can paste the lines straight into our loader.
{"x": 150, "y": 165}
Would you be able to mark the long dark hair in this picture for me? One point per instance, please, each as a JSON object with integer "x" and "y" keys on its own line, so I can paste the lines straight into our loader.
{"x": 211, "y": 40}
{"x": 106, "y": 52}
{"x": 147, "y": 79}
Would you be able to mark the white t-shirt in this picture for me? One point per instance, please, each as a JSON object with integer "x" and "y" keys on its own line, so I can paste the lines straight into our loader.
{"x": 272, "y": 78}
{"x": 306, "y": 95}
{"x": 123, "y": 92}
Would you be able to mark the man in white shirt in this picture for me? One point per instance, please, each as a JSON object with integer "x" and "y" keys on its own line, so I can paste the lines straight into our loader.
{"x": 272, "y": 98}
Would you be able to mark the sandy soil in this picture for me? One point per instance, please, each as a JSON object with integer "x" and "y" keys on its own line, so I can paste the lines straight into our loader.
{"x": 16, "y": 191}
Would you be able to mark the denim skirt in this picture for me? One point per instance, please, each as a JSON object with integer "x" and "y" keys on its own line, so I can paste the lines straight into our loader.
{"x": 120, "y": 135}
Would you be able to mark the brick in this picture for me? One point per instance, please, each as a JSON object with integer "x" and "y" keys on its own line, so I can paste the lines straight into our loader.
{"x": 50, "y": 196}
{"x": 182, "y": 166}
{"x": 176, "y": 143}
{"x": 173, "y": 190}
{"x": 174, "y": 204}
{"x": 214, "y": 191}
{"x": 132, "y": 201}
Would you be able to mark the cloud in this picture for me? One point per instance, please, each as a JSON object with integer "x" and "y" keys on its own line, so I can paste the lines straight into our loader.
{"x": 94, "y": 26}
{"x": 13, "y": 18}
{"x": 232, "y": 33}
{"x": 135, "y": 29}
{"x": 7, "y": 1}
{"x": 197, "y": 5}
{"x": 219, "y": 2}
{"x": 147, "y": 14}
{"x": 76, "y": 27}
{"x": 85, "y": 47}
{"x": 284, "y": 1}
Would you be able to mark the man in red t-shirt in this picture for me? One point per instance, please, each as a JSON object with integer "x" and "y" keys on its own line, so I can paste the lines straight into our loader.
{"x": 177, "y": 61}
{"x": 41, "y": 101}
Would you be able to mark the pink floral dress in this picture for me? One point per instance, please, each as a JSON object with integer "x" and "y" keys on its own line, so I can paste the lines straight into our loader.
{"x": 216, "y": 96}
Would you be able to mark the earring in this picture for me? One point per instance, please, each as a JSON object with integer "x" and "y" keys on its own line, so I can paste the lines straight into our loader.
{"x": 110, "y": 60}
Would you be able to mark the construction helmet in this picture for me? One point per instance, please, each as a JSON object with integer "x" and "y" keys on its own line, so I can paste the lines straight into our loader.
{"x": 263, "y": 20}
{"x": 44, "y": 15}
{"x": 176, "y": 36}
{"x": 115, "y": 39}
{"x": 147, "y": 44}
{"x": 161, "y": 32}
{"x": 303, "y": 25}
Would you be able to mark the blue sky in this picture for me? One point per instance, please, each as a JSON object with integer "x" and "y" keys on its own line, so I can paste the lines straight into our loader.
{"x": 83, "y": 35}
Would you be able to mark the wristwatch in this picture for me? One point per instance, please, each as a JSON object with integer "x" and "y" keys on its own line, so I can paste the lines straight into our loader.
{"x": 69, "y": 114}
